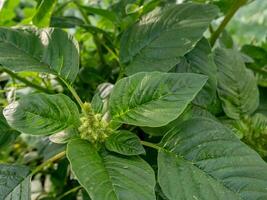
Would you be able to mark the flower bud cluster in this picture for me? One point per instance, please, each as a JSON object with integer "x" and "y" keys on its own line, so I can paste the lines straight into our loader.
{"x": 93, "y": 127}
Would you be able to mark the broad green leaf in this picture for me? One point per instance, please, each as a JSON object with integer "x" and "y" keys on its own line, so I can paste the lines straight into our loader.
{"x": 110, "y": 177}
{"x": 202, "y": 159}
{"x": 237, "y": 86}
{"x": 7, "y": 135}
{"x": 157, "y": 42}
{"x": 41, "y": 50}
{"x": 14, "y": 182}
{"x": 43, "y": 13}
{"x": 125, "y": 143}
{"x": 200, "y": 60}
{"x": 153, "y": 99}
{"x": 42, "y": 114}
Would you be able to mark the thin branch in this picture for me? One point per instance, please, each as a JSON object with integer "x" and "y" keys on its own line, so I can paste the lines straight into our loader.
{"x": 27, "y": 82}
{"x": 48, "y": 162}
{"x": 69, "y": 192}
{"x": 151, "y": 145}
{"x": 234, "y": 8}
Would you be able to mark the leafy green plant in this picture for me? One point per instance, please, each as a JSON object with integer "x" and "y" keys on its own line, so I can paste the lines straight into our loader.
{"x": 138, "y": 100}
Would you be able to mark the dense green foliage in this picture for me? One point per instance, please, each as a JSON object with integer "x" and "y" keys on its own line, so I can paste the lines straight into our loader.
{"x": 133, "y": 100}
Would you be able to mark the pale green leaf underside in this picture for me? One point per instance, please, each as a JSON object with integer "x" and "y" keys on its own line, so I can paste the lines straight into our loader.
{"x": 44, "y": 50}
{"x": 110, "y": 177}
{"x": 237, "y": 86}
{"x": 14, "y": 182}
{"x": 125, "y": 143}
{"x": 153, "y": 98}
{"x": 42, "y": 114}
{"x": 211, "y": 163}
{"x": 157, "y": 42}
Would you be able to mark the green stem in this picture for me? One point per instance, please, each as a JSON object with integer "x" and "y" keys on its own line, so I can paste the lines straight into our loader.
{"x": 48, "y": 162}
{"x": 75, "y": 95}
{"x": 69, "y": 192}
{"x": 151, "y": 145}
{"x": 236, "y": 5}
{"x": 27, "y": 82}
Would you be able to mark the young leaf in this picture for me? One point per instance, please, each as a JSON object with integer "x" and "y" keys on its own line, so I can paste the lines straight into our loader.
{"x": 44, "y": 50}
{"x": 158, "y": 41}
{"x": 239, "y": 96}
{"x": 125, "y": 143}
{"x": 44, "y": 12}
{"x": 153, "y": 99}
{"x": 42, "y": 114}
{"x": 205, "y": 160}
{"x": 15, "y": 182}
{"x": 200, "y": 60}
{"x": 110, "y": 177}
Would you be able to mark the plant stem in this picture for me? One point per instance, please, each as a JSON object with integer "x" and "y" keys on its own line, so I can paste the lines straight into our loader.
{"x": 151, "y": 145}
{"x": 49, "y": 161}
{"x": 236, "y": 5}
{"x": 69, "y": 192}
{"x": 27, "y": 82}
{"x": 75, "y": 95}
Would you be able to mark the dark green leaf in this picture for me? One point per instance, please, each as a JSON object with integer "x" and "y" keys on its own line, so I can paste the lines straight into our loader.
{"x": 200, "y": 60}
{"x": 239, "y": 96}
{"x": 7, "y": 135}
{"x": 110, "y": 177}
{"x": 205, "y": 160}
{"x": 158, "y": 41}
{"x": 43, "y": 50}
{"x": 153, "y": 99}
{"x": 42, "y": 114}
{"x": 125, "y": 143}
{"x": 14, "y": 182}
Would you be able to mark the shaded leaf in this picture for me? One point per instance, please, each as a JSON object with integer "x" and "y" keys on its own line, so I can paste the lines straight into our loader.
{"x": 15, "y": 182}
{"x": 239, "y": 96}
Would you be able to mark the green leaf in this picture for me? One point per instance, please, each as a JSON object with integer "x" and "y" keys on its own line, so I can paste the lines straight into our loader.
{"x": 7, "y": 135}
{"x": 208, "y": 162}
{"x": 200, "y": 60}
{"x": 108, "y": 14}
{"x": 44, "y": 12}
{"x": 125, "y": 143}
{"x": 42, "y": 114}
{"x": 14, "y": 182}
{"x": 239, "y": 96}
{"x": 7, "y": 13}
{"x": 110, "y": 177}
{"x": 157, "y": 42}
{"x": 41, "y": 50}
{"x": 153, "y": 99}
